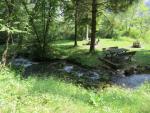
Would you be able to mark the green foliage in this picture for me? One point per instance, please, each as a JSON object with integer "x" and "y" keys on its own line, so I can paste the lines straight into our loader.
{"x": 118, "y": 6}
{"x": 122, "y": 98}
{"x": 48, "y": 94}
{"x": 40, "y": 16}
{"x": 134, "y": 33}
{"x": 146, "y": 37}
{"x": 36, "y": 24}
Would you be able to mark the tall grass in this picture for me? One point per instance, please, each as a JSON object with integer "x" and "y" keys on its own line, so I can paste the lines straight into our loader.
{"x": 50, "y": 95}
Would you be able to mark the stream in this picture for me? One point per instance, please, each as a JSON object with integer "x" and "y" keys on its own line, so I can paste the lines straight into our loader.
{"x": 131, "y": 81}
{"x": 88, "y": 77}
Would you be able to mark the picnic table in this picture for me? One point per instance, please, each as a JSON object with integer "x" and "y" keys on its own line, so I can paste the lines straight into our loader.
{"x": 115, "y": 51}
{"x": 115, "y": 58}
{"x": 118, "y": 54}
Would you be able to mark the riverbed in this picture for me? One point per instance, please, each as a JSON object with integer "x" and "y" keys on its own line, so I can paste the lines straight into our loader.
{"x": 80, "y": 74}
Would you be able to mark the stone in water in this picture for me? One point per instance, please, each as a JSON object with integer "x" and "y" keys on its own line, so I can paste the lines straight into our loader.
{"x": 68, "y": 69}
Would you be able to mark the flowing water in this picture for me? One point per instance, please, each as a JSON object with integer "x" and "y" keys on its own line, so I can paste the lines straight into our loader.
{"x": 131, "y": 81}
{"x": 89, "y": 76}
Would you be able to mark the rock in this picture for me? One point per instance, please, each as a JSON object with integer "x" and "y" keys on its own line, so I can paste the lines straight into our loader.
{"x": 94, "y": 76}
{"x": 120, "y": 72}
{"x": 80, "y": 74}
{"x": 147, "y": 67}
{"x": 22, "y": 62}
{"x": 130, "y": 71}
{"x": 68, "y": 69}
{"x": 136, "y": 44}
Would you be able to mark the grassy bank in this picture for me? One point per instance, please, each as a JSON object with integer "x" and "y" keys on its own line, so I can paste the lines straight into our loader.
{"x": 50, "y": 95}
{"x": 64, "y": 48}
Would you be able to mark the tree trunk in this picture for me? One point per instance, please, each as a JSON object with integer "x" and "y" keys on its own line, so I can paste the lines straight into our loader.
{"x": 31, "y": 21}
{"x": 47, "y": 26}
{"x": 9, "y": 36}
{"x": 4, "y": 56}
{"x": 93, "y": 29}
{"x": 87, "y": 33}
{"x": 76, "y": 24}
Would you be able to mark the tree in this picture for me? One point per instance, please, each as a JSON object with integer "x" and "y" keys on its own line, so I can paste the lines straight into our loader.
{"x": 40, "y": 17}
{"x": 112, "y": 6}
{"x": 8, "y": 24}
{"x": 76, "y": 22}
{"x": 76, "y": 11}
{"x": 93, "y": 28}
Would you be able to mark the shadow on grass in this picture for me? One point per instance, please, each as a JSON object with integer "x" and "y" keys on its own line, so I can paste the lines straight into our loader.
{"x": 143, "y": 57}
{"x": 78, "y": 54}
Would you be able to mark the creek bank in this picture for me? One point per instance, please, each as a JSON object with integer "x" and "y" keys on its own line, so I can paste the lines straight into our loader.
{"x": 83, "y": 75}
{"x": 89, "y": 77}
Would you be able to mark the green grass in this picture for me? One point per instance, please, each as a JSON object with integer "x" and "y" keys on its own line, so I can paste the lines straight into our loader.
{"x": 50, "y": 95}
{"x": 65, "y": 49}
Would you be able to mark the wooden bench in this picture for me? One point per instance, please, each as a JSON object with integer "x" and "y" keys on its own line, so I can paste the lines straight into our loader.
{"x": 109, "y": 63}
{"x": 113, "y": 51}
{"x": 89, "y": 42}
{"x": 107, "y": 52}
{"x": 110, "y": 48}
{"x": 121, "y": 57}
{"x": 118, "y": 54}
{"x": 128, "y": 55}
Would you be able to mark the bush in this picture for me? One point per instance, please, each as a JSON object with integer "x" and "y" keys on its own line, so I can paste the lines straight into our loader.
{"x": 146, "y": 36}
{"x": 134, "y": 33}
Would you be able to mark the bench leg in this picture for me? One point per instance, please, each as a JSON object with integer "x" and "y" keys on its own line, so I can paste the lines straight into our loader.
{"x": 130, "y": 58}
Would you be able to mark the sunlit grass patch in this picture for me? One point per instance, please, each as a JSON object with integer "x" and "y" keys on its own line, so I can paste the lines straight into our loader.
{"x": 48, "y": 94}
{"x": 80, "y": 53}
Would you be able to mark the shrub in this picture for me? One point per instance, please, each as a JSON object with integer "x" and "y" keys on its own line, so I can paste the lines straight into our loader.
{"x": 134, "y": 33}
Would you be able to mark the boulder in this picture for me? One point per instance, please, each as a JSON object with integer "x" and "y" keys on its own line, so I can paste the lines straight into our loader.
{"x": 130, "y": 71}
{"x": 136, "y": 44}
